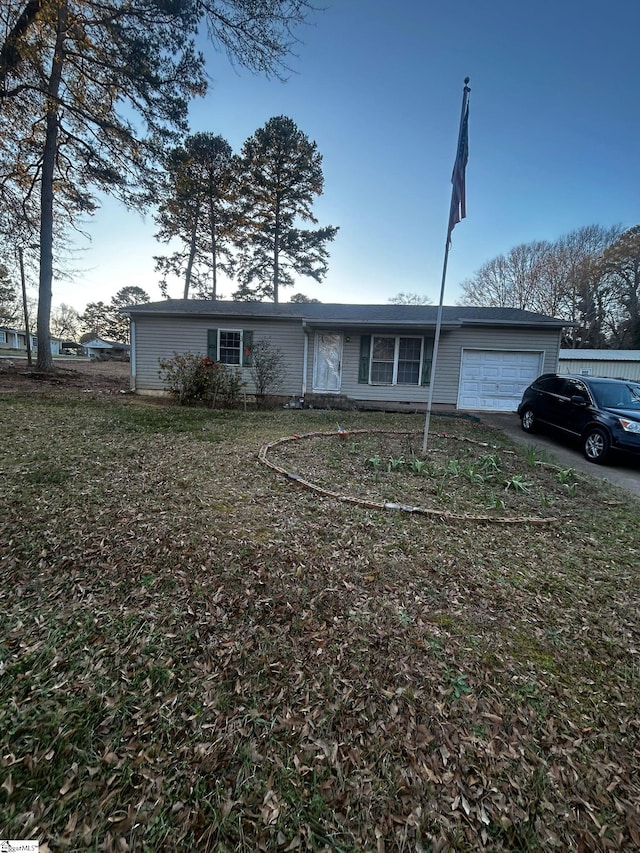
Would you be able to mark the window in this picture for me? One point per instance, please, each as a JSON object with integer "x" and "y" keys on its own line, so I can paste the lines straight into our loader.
{"x": 3, "y": 337}
{"x": 383, "y": 357}
{"x": 550, "y": 384}
{"x": 409, "y": 352}
{"x": 230, "y": 350}
{"x": 575, "y": 388}
{"x": 230, "y": 346}
{"x": 397, "y": 360}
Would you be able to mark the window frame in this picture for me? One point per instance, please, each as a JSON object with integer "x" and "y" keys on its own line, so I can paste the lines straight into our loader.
{"x": 239, "y": 350}
{"x": 396, "y": 359}
{"x": 246, "y": 345}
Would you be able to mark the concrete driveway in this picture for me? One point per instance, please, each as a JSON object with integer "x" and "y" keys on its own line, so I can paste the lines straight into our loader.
{"x": 621, "y": 470}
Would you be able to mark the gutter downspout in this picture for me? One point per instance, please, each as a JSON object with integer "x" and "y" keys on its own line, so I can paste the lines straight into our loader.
{"x": 305, "y": 358}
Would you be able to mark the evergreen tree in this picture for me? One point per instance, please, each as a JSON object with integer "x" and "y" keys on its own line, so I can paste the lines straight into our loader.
{"x": 280, "y": 175}
{"x": 107, "y": 321}
{"x": 196, "y": 209}
{"x": 95, "y": 321}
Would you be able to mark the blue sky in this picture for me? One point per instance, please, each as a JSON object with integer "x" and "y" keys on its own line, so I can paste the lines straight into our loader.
{"x": 554, "y": 139}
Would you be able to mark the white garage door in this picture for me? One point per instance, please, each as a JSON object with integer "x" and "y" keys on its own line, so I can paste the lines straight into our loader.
{"x": 495, "y": 380}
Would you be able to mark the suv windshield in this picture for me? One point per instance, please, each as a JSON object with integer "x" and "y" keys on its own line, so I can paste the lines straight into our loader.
{"x": 616, "y": 396}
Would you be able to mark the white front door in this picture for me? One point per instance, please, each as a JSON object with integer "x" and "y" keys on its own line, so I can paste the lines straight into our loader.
{"x": 327, "y": 362}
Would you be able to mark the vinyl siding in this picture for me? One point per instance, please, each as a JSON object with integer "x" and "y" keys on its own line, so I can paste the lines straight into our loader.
{"x": 450, "y": 349}
{"x": 159, "y": 338}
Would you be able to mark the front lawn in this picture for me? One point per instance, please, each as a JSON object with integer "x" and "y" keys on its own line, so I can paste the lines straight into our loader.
{"x": 199, "y": 653}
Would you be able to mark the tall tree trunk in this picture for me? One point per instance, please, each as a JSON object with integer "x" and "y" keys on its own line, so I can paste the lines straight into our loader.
{"x": 214, "y": 247}
{"x": 276, "y": 250}
{"x": 45, "y": 359}
{"x": 192, "y": 253}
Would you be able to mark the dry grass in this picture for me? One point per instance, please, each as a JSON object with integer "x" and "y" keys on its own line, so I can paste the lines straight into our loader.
{"x": 198, "y": 654}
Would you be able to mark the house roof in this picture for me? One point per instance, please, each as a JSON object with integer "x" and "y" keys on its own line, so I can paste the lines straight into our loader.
{"x": 341, "y": 314}
{"x": 600, "y": 354}
{"x": 102, "y": 343}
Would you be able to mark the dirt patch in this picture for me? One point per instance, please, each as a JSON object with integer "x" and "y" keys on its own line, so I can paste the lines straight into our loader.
{"x": 103, "y": 377}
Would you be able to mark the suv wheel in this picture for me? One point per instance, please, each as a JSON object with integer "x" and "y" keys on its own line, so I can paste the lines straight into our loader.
{"x": 595, "y": 445}
{"x": 528, "y": 420}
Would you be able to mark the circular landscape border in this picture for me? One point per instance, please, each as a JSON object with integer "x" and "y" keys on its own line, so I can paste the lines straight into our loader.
{"x": 386, "y": 505}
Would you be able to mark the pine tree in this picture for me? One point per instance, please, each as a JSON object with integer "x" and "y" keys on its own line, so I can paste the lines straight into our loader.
{"x": 280, "y": 177}
{"x": 196, "y": 209}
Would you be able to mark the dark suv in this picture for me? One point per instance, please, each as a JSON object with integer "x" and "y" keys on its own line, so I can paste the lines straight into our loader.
{"x": 603, "y": 414}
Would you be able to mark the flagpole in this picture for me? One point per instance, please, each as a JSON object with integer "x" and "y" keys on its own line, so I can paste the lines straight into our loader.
{"x": 457, "y": 199}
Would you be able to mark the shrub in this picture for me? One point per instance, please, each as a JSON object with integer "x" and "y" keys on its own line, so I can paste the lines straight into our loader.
{"x": 225, "y": 384}
{"x": 193, "y": 379}
{"x": 267, "y": 370}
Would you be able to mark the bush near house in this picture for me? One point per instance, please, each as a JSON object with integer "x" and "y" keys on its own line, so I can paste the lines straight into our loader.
{"x": 267, "y": 371}
{"x": 193, "y": 379}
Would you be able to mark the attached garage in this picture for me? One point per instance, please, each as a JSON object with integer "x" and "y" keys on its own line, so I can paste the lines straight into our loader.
{"x": 494, "y": 380}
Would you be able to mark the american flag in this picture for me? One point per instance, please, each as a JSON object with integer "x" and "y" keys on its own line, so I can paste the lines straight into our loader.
{"x": 458, "y": 194}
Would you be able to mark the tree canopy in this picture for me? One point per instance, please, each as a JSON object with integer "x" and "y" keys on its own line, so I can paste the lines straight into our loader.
{"x": 9, "y": 302}
{"x": 403, "y": 298}
{"x": 611, "y": 290}
{"x": 242, "y": 215}
{"x": 106, "y": 321}
{"x": 65, "y": 322}
{"x": 302, "y": 298}
{"x": 280, "y": 176}
{"x": 92, "y": 92}
{"x": 196, "y": 210}
{"x": 588, "y": 277}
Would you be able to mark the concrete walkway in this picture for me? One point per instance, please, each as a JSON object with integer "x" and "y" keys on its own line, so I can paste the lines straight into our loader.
{"x": 621, "y": 470}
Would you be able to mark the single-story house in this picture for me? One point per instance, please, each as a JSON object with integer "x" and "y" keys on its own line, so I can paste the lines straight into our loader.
{"x": 15, "y": 340}
{"x": 613, "y": 363}
{"x": 101, "y": 349}
{"x": 368, "y": 355}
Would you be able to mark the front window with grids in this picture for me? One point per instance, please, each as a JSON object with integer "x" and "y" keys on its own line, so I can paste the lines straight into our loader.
{"x": 395, "y": 360}
{"x": 230, "y": 347}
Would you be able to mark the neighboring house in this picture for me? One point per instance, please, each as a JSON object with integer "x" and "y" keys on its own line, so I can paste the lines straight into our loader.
{"x": 16, "y": 340}
{"x": 103, "y": 350}
{"x": 71, "y": 348}
{"x": 613, "y": 363}
{"x": 371, "y": 355}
